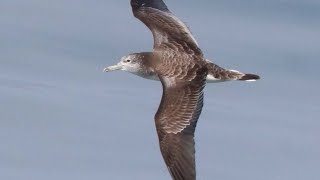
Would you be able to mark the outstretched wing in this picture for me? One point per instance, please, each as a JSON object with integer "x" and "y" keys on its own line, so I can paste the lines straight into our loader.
{"x": 176, "y": 120}
{"x": 167, "y": 29}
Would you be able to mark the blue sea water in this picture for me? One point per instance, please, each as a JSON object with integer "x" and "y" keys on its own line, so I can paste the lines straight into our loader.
{"x": 61, "y": 117}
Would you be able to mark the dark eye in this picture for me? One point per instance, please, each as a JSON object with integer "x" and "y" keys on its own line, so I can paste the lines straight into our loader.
{"x": 128, "y": 60}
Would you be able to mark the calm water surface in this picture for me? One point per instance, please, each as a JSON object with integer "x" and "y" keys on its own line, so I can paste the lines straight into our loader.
{"x": 62, "y": 118}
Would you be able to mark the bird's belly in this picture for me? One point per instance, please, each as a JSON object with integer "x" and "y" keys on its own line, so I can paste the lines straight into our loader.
{"x": 151, "y": 76}
{"x": 211, "y": 79}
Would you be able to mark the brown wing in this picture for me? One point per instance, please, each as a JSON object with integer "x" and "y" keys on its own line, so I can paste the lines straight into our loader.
{"x": 165, "y": 27}
{"x": 176, "y": 121}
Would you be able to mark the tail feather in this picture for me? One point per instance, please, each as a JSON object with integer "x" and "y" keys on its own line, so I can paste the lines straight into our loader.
{"x": 219, "y": 74}
{"x": 249, "y": 77}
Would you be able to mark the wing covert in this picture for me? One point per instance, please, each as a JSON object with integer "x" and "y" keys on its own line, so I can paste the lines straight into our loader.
{"x": 176, "y": 121}
{"x": 167, "y": 29}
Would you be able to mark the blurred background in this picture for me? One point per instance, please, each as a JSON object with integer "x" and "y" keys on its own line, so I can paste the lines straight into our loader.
{"x": 62, "y": 118}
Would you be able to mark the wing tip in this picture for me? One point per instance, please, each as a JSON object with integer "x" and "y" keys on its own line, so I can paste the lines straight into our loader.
{"x": 156, "y": 4}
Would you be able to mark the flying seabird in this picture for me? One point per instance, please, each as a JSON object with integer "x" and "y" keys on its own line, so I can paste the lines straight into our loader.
{"x": 178, "y": 62}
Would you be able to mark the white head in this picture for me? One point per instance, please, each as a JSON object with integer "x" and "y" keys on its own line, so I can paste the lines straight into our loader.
{"x": 136, "y": 64}
{"x": 128, "y": 63}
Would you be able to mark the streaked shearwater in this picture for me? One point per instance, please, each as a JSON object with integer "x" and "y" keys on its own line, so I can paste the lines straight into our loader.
{"x": 178, "y": 62}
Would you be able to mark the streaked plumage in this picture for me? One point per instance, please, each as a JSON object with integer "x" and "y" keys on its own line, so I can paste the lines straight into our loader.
{"x": 179, "y": 64}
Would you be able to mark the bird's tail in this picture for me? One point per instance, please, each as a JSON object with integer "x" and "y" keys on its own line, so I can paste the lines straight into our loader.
{"x": 249, "y": 77}
{"x": 243, "y": 76}
{"x": 219, "y": 74}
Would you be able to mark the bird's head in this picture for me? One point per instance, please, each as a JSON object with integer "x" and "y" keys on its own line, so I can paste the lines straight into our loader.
{"x": 130, "y": 63}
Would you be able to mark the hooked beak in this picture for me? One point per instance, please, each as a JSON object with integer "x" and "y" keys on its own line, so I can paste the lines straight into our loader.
{"x": 113, "y": 68}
